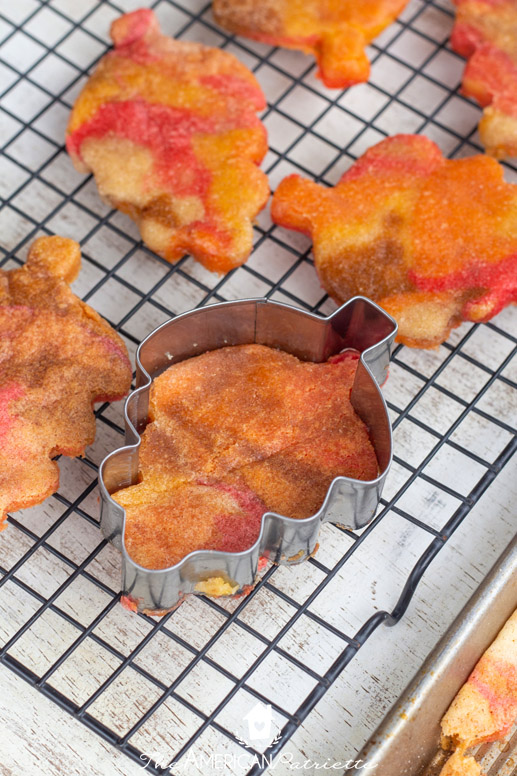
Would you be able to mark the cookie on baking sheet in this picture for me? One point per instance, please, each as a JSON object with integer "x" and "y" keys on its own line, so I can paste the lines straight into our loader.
{"x": 432, "y": 240}
{"x": 485, "y": 32}
{"x": 234, "y": 433}
{"x": 336, "y": 32}
{"x": 169, "y": 130}
{"x": 460, "y": 765}
{"x": 486, "y": 706}
{"x": 57, "y": 357}
{"x": 485, "y": 709}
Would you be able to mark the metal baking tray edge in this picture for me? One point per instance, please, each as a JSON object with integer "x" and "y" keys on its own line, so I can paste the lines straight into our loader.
{"x": 409, "y": 736}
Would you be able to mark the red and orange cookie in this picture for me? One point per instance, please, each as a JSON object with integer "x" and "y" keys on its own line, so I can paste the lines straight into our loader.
{"x": 433, "y": 241}
{"x": 234, "y": 433}
{"x": 57, "y": 357}
{"x": 336, "y": 32}
{"x": 169, "y": 130}
{"x": 485, "y": 32}
{"x": 485, "y": 709}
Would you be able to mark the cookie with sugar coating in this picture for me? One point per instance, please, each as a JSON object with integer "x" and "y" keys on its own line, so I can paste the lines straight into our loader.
{"x": 336, "y": 32}
{"x": 57, "y": 357}
{"x": 234, "y": 433}
{"x": 485, "y": 32}
{"x": 459, "y": 765}
{"x": 486, "y": 706}
{"x": 432, "y": 240}
{"x": 170, "y": 131}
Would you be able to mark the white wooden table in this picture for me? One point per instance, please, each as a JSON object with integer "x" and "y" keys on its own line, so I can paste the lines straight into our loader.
{"x": 36, "y": 736}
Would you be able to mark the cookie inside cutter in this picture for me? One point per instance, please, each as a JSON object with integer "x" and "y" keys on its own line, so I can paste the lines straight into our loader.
{"x": 358, "y": 325}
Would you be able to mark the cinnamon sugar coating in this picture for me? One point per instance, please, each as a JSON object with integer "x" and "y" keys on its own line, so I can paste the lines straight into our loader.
{"x": 336, "y": 32}
{"x": 485, "y": 32}
{"x": 169, "y": 130}
{"x": 57, "y": 357}
{"x": 486, "y": 706}
{"x": 234, "y": 433}
{"x": 432, "y": 240}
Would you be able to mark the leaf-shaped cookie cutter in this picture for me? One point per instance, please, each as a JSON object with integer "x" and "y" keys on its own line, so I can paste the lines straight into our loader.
{"x": 358, "y": 324}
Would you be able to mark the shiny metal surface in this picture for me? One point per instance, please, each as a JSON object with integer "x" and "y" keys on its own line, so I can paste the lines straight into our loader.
{"x": 358, "y": 324}
{"x": 407, "y": 741}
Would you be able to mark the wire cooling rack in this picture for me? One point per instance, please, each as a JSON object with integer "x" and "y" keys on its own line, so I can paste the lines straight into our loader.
{"x": 179, "y": 687}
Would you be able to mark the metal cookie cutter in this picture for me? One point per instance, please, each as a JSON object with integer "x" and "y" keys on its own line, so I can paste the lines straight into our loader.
{"x": 359, "y": 324}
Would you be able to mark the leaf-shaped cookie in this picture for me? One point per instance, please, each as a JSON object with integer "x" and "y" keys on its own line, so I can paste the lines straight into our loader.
{"x": 57, "y": 357}
{"x": 169, "y": 130}
{"x": 336, "y": 32}
{"x": 234, "y": 433}
{"x": 432, "y": 240}
{"x": 486, "y": 33}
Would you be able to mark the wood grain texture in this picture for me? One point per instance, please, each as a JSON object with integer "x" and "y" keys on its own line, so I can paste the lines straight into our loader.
{"x": 37, "y": 732}
{"x": 37, "y": 737}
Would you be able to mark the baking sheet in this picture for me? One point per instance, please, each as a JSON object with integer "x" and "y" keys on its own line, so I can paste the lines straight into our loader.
{"x": 183, "y": 687}
{"x": 408, "y": 740}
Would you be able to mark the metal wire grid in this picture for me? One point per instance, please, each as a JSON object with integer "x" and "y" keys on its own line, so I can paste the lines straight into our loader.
{"x": 48, "y": 48}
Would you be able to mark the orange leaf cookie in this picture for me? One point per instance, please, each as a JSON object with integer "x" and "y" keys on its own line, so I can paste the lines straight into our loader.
{"x": 57, "y": 357}
{"x": 434, "y": 241}
{"x": 169, "y": 130}
{"x": 336, "y": 32}
{"x": 234, "y": 433}
{"x": 485, "y": 32}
